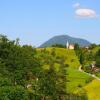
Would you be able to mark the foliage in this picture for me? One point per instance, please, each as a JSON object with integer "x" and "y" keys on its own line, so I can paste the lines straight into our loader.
{"x": 59, "y": 46}
{"x": 98, "y": 58}
{"x": 13, "y": 93}
{"x": 23, "y": 75}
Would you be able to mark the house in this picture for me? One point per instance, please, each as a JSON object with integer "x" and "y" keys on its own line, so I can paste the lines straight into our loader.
{"x": 69, "y": 46}
{"x": 87, "y": 47}
{"x": 94, "y": 68}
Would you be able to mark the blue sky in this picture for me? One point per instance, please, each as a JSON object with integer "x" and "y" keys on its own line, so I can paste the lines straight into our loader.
{"x": 35, "y": 21}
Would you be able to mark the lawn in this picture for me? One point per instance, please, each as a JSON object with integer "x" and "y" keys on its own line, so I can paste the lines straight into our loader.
{"x": 93, "y": 90}
{"x": 76, "y": 80}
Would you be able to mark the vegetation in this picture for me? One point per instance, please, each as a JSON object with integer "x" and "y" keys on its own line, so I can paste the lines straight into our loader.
{"x": 77, "y": 80}
{"x": 90, "y": 56}
{"x": 97, "y": 58}
{"x": 59, "y": 46}
{"x": 93, "y": 90}
{"x": 27, "y": 73}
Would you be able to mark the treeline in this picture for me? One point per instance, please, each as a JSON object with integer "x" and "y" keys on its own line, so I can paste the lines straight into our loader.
{"x": 88, "y": 56}
{"x": 27, "y": 73}
{"x": 59, "y": 45}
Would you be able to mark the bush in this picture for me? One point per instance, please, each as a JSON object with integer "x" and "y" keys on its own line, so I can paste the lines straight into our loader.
{"x": 89, "y": 80}
{"x": 13, "y": 93}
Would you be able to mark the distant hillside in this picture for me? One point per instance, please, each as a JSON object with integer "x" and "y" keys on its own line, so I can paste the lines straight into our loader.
{"x": 62, "y": 39}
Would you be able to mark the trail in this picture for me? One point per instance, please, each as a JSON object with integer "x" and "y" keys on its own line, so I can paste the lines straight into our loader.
{"x": 92, "y": 75}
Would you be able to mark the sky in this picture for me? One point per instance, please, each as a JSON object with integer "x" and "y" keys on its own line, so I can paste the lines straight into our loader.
{"x": 36, "y": 21}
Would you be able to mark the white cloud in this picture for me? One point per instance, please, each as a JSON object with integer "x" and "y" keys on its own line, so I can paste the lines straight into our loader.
{"x": 84, "y": 12}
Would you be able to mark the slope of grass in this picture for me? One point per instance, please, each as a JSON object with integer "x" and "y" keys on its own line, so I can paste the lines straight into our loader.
{"x": 93, "y": 90}
{"x": 76, "y": 80}
{"x": 70, "y": 57}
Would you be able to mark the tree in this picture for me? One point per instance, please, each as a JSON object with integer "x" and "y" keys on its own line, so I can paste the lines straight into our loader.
{"x": 92, "y": 46}
{"x": 62, "y": 79}
{"x": 76, "y": 47}
{"x": 59, "y": 46}
{"x": 98, "y": 58}
{"x": 47, "y": 84}
{"x": 13, "y": 93}
{"x": 82, "y": 58}
{"x": 78, "y": 50}
{"x": 53, "y": 53}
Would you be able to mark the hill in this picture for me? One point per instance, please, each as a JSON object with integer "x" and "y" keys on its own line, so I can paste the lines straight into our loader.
{"x": 76, "y": 79}
{"x": 62, "y": 39}
{"x": 69, "y": 55}
{"x": 78, "y": 82}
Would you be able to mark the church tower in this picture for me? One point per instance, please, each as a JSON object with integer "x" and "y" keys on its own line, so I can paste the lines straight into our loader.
{"x": 67, "y": 45}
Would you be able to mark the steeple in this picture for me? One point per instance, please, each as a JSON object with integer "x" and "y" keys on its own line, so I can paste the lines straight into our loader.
{"x": 67, "y": 45}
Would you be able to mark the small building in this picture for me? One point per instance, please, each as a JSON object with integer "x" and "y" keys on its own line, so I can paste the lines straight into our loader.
{"x": 69, "y": 46}
{"x": 87, "y": 47}
{"x": 94, "y": 68}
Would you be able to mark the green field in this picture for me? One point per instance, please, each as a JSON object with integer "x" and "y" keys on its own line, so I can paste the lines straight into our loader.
{"x": 69, "y": 55}
{"x": 76, "y": 79}
{"x": 93, "y": 90}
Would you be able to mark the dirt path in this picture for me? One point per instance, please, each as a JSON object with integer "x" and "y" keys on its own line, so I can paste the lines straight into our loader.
{"x": 92, "y": 75}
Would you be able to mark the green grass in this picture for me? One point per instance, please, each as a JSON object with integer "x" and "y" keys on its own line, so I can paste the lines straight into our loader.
{"x": 76, "y": 80}
{"x": 98, "y": 74}
{"x": 93, "y": 90}
{"x": 69, "y": 55}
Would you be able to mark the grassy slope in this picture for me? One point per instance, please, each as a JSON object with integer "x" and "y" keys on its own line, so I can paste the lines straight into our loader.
{"x": 78, "y": 79}
{"x": 93, "y": 90}
{"x": 69, "y": 55}
{"x": 75, "y": 77}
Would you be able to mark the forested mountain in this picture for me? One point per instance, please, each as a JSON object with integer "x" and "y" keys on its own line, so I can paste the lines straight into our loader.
{"x": 62, "y": 39}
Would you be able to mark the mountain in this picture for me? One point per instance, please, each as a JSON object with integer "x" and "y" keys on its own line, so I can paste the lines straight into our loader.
{"x": 62, "y": 39}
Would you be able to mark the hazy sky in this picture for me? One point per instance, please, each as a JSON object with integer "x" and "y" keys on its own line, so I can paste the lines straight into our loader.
{"x": 35, "y": 21}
